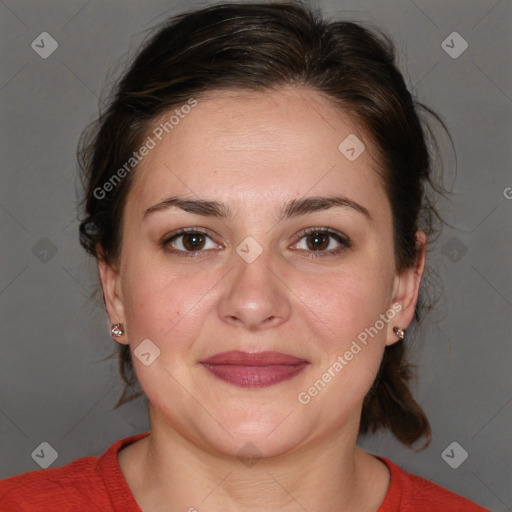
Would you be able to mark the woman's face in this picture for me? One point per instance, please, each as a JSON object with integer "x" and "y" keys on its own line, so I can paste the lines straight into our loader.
{"x": 255, "y": 280}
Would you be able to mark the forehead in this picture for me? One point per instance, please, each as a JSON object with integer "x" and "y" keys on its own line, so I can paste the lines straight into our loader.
{"x": 244, "y": 146}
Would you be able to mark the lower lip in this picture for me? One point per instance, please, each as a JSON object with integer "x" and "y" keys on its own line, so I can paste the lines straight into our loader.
{"x": 255, "y": 376}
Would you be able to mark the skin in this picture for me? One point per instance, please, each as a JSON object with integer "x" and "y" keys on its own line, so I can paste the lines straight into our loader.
{"x": 255, "y": 152}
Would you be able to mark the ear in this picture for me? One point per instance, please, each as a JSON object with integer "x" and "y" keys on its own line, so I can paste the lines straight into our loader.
{"x": 406, "y": 290}
{"x": 112, "y": 294}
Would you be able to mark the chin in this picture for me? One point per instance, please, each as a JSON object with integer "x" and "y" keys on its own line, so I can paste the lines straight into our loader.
{"x": 267, "y": 435}
{"x": 252, "y": 446}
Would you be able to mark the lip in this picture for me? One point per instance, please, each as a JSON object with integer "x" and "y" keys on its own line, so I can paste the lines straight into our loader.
{"x": 254, "y": 370}
{"x": 237, "y": 357}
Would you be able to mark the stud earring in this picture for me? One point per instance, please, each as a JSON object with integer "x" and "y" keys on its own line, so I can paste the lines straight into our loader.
{"x": 117, "y": 330}
{"x": 399, "y": 332}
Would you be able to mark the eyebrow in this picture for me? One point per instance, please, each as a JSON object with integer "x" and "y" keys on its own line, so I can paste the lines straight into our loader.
{"x": 294, "y": 208}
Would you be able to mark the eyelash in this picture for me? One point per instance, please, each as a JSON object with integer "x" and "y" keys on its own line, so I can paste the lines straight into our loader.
{"x": 340, "y": 238}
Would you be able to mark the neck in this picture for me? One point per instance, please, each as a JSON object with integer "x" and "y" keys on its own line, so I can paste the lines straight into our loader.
{"x": 168, "y": 471}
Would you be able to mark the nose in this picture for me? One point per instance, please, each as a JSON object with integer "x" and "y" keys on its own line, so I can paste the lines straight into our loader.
{"x": 255, "y": 296}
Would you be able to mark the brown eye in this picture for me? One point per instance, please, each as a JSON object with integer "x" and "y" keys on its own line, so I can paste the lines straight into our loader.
{"x": 323, "y": 242}
{"x": 188, "y": 242}
{"x": 193, "y": 241}
{"x": 317, "y": 241}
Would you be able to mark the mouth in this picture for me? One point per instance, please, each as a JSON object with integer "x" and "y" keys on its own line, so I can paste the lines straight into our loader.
{"x": 254, "y": 370}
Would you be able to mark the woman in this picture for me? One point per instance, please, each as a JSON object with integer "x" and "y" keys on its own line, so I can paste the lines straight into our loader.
{"x": 255, "y": 198}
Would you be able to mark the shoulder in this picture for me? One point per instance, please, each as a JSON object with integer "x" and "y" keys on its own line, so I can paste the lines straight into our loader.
{"x": 74, "y": 483}
{"x": 409, "y": 491}
{"x": 85, "y": 484}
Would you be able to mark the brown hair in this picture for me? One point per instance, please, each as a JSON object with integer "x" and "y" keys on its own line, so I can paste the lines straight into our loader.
{"x": 263, "y": 46}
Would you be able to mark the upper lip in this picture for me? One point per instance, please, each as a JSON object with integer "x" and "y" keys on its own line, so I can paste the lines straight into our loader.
{"x": 237, "y": 357}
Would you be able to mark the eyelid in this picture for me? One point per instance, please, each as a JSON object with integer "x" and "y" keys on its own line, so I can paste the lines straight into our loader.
{"x": 343, "y": 240}
{"x": 181, "y": 231}
{"x": 323, "y": 229}
{"x": 340, "y": 237}
{"x": 167, "y": 239}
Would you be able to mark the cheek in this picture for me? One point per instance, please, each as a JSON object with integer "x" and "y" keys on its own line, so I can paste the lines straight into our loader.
{"x": 163, "y": 303}
{"x": 349, "y": 301}
{"x": 364, "y": 315}
{"x": 152, "y": 298}
{"x": 353, "y": 351}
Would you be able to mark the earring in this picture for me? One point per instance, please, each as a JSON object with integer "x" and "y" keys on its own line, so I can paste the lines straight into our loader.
{"x": 117, "y": 330}
{"x": 399, "y": 332}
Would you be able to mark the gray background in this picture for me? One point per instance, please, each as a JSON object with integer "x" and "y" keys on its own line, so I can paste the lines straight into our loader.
{"x": 55, "y": 385}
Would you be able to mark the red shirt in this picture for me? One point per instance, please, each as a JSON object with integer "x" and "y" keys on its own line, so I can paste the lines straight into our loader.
{"x": 97, "y": 484}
